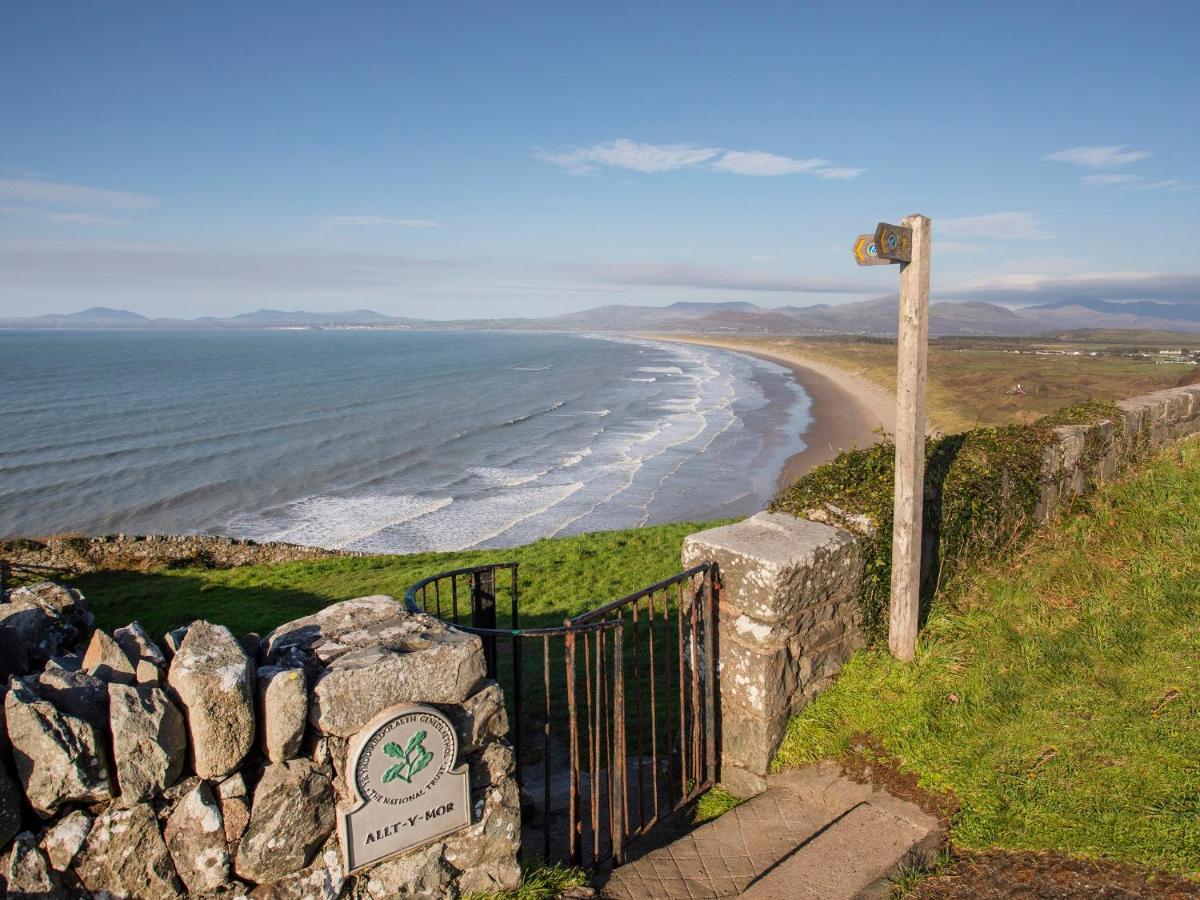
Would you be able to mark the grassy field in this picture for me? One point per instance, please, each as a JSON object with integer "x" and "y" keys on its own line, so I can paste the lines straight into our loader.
{"x": 1059, "y": 698}
{"x": 968, "y": 378}
{"x": 558, "y": 578}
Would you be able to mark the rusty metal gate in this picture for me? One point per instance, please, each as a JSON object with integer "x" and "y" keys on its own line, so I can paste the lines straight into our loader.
{"x": 613, "y": 713}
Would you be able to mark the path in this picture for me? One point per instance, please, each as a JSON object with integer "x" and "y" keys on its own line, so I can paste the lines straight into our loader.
{"x": 814, "y": 833}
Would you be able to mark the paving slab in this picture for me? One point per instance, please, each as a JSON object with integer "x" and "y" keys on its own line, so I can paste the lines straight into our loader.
{"x": 812, "y": 833}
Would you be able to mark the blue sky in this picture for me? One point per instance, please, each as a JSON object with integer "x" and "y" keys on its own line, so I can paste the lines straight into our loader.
{"x": 460, "y": 160}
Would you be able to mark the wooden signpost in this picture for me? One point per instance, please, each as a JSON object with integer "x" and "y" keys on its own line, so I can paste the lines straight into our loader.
{"x": 908, "y": 244}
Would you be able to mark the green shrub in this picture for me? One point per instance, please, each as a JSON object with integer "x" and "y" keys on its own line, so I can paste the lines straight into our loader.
{"x": 981, "y": 490}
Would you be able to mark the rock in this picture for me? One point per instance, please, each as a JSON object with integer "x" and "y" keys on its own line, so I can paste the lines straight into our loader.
{"x": 27, "y": 872}
{"x": 338, "y": 628}
{"x": 292, "y": 815}
{"x": 422, "y": 662}
{"x": 148, "y": 673}
{"x": 212, "y": 679}
{"x": 485, "y": 853}
{"x": 172, "y": 639}
{"x": 10, "y": 807}
{"x": 282, "y": 711}
{"x": 235, "y": 806}
{"x": 125, "y": 855}
{"x": 74, "y": 692}
{"x": 107, "y": 661}
{"x": 60, "y": 758}
{"x": 195, "y": 837}
{"x": 63, "y": 840}
{"x": 149, "y": 740}
{"x": 323, "y": 880}
{"x": 40, "y": 621}
{"x": 491, "y": 765}
{"x": 138, "y": 645}
{"x": 479, "y": 719}
{"x": 420, "y": 874}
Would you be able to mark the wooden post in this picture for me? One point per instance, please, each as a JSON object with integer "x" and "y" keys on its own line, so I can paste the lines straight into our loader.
{"x": 910, "y": 443}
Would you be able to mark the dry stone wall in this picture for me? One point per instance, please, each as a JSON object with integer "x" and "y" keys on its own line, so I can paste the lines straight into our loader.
{"x": 75, "y": 553}
{"x": 214, "y": 766}
{"x": 788, "y": 616}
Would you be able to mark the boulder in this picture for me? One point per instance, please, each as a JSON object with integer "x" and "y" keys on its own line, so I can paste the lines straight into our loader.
{"x": 290, "y": 818}
{"x": 213, "y": 681}
{"x": 149, "y": 740}
{"x": 125, "y": 855}
{"x": 195, "y": 837}
{"x": 420, "y": 661}
{"x": 60, "y": 758}
{"x": 282, "y": 711}
{"x": 323, "y": 880}
{"x": 74, "y": 692}
{"x": 138, "y": 645}
{"x": 38, "y": 622}
{"x": 423, "y": 873}
{"x": 107, "y": 661}
{"x": 27, "y": 871}
{"x": 63, "y": 840}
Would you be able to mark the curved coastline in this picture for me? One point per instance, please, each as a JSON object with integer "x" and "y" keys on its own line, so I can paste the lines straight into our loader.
{"x": 846, "y": 409}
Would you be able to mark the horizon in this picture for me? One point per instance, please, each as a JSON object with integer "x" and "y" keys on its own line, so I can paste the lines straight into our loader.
{"x": 466, "y": 163}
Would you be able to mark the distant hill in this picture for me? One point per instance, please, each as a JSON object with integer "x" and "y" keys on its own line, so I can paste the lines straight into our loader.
{"x": 301, "y": 317}
{"x": 97, "y": 314}
{"x": 877, "y": 316}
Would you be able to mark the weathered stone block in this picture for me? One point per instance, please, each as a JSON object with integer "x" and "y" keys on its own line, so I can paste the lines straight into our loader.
{"x": 149, "y": 740}
{"x": 291, "y": 816}
{"x": 212, "y": 679}
{"x": 282, "y": 711}
{"x": 125, "y": 855}
{"x": 60, "y": 759}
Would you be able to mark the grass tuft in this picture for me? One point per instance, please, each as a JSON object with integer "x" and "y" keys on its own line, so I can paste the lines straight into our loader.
{"x": 538, "y": 883}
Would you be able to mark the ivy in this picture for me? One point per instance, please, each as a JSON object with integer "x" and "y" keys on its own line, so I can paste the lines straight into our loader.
{"x": 982, "y": 489}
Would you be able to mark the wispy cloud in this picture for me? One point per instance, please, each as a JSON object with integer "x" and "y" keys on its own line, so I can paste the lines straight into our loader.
{"x": 1005, "y": 226}
{"x": 51, "y": 215}
{"x": 1108, "y": 179}
{"x": 29, "y": 190}
{"x": 1019, "y": 289}
{"x": 1098, "y": 157}
{"x": 351, "y": 221}
{"x": 624, "y": 153}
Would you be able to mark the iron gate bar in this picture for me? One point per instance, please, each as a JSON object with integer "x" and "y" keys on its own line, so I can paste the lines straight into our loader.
{"x": 690, "y": 748}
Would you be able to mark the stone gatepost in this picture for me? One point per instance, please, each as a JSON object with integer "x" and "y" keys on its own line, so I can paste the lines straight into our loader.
{"x": 787, "y": 621}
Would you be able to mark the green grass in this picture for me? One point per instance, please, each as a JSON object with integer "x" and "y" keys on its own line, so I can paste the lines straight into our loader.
{"x": 1059, "y": 698}
{"x": 712, "y": 804}
{"x": 558, "y": 578}
{"x": 538, "y": 883}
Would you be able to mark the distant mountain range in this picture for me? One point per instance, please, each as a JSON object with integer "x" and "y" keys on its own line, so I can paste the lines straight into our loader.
{"x": 868, "y": 317}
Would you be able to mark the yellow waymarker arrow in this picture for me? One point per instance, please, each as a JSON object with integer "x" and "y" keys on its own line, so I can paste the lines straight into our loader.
{"x": 866, "y": 253}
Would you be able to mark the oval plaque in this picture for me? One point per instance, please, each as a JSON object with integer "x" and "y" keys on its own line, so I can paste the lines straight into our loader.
{"x": 408, "y": 791}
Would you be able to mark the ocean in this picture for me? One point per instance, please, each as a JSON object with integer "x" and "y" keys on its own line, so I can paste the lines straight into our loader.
{"x": 383, "y": 441}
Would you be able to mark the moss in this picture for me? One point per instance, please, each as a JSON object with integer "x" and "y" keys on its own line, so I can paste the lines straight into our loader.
{"x": 981, "y": 492}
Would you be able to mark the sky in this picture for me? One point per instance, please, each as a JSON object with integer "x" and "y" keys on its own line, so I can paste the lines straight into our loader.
{"x": 461, "y": 160}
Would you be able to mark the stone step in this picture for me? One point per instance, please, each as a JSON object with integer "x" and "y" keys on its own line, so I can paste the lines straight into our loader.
{"x": 812, "y": 833}
{"x": 851, "y": 858}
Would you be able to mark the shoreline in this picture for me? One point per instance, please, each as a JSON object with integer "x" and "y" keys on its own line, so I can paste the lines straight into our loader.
{"x": 846, "y": 409}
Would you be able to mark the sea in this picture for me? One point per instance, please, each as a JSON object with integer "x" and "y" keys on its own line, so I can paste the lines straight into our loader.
{"x": 383, "y": 441}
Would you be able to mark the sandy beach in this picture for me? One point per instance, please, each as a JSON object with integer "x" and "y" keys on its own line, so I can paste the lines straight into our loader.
{"x": 846, "y": 408}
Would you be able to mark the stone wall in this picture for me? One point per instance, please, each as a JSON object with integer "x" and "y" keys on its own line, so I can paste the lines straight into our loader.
{"x": 205, "y": 764}
{"x": 76, "y": 553}
{"x": 788, "y": 616}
